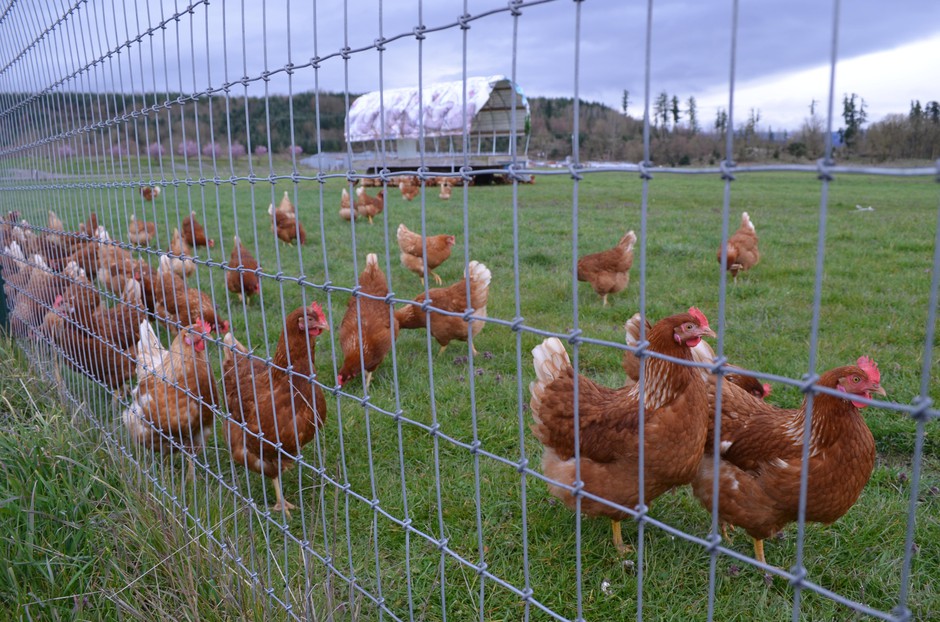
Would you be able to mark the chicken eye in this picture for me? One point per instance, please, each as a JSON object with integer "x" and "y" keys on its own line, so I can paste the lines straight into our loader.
{"x": 856, "y": 379}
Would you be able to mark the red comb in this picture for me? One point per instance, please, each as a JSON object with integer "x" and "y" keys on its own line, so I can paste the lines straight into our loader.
{"x": 316, "y": 308}
{"x": 870, "y": 368}
{"x": 203, "y": 326}
{"x": 767, "y": 388}
{"x": 699, "y": 317}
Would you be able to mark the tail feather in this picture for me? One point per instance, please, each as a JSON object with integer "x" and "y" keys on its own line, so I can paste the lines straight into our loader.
{"x": 151, "y": 355}
{"x": 480, "y": 277}
{"x": 550, "y": 360}
{"x": 628, "y": 240}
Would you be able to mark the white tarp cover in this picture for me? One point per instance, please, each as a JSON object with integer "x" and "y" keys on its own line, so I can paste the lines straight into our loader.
{"x": 442, "y": 114}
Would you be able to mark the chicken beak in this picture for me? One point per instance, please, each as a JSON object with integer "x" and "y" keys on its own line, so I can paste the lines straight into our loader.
{"x": 879, "y": 390}
{"x": 707, "y": 332}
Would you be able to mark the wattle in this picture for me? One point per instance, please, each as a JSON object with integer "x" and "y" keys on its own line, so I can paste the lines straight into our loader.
{"x": 694, "y": 341}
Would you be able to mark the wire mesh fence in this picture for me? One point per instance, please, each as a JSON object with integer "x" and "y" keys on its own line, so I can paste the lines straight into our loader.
{"x": 188, "y": 284}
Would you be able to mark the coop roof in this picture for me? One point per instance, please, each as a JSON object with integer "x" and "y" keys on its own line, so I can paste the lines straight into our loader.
{"x": 488, "y": 110}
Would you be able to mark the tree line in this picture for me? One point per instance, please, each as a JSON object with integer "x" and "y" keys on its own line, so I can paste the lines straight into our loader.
{"x": 678, "y": 134}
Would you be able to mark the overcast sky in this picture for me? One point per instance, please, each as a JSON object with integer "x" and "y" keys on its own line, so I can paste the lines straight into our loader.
{"x": 889, "y": 52}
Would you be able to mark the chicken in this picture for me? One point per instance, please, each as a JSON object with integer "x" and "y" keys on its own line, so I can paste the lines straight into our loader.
{"x": 412, "y": 251}
{"x": 115, "y": 267}
{"x": 240, "y": 276}
{"x": 150, "y": 192}
{"x": 31, "y": 291}
{"x": 702, "y": 353}
{"x": 608, "y": 272}
{"x": 89, "y": 228}
{"x": 285, "y": 407}
{"x": 88, "y": 352}
{"x": 286, "y": 207}
{"x": 119, "y": 325}
{"x": 140, "y": 232}
{"x": 172, "y": 302}
{"x": 446, "y": 328}
{"x": 346, "y": 212}
{"x": 367, "y": 206}
{"x": 376, "y": 326}
{"x": 288, "y": 228}
{"x": 675, "y": 416}
{"x": 181, "y": 261}
{"x": 446, "y": 190}
{"x": 408, "y": 191}
{"x": 742, "y": 248}
{"x": 55, "y": 223}
{"x": 193, "y": 232}
{"x": 171, "y": 406}
{"x": 762, "y": 449}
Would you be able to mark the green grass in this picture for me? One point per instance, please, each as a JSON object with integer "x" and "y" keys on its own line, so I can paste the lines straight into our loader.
{"x": 875, "y": 296}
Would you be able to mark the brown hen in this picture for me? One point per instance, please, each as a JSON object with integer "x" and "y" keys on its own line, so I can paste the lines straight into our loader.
{"x": 447, "y": 328}
{"x": 193, "y": 232}
{"x": 376, "y": 325}
{"x": 608, "y": 272}
{"x": 171, "y": 406}
{"x": 286, "y": 408}
{"x": 742, "y": 248}
{"x": 240, "y": 278}
{"x": 675, "y": 417}
{"x": 762, "y": 448}
{"x": 412, "y": 251}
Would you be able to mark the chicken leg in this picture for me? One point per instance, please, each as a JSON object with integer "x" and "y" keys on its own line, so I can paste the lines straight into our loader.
{"x": 604, "y": 299}
{"x": 622, "y": 548}
{"x": 282, "y": 503}
{"x": 759, "y": 551}
{"x": 368, "y": 380}
{"x": 437, "y": 279}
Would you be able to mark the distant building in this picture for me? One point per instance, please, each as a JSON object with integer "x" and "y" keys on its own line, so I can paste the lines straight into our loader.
{"x": 385, "y": 128}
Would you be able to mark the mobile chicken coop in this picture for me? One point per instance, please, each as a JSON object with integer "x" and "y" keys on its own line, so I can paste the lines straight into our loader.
{"x": 403, "y": 129}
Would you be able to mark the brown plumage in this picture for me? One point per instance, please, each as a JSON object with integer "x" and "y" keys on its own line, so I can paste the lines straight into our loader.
{"x": 376, "y": 326}
{"x": 701, "y": 353}
{"x": 140, "y": 231}
{"x": 150, "y": 192}
{"x": 676, "y": 422}
{"x": 181, "y": 263}
{"x": 161, "y": 406}
{"x": 742, "y": 248}
{"x": 193, "y": 232}
{"x": 446, "y": 190}
{"x": 408, "y": 191}
{"x": 115, "y": 267}
{"x": 90, "y": 226}
{"x": 173, "y": 303}
{"x": 287, "y": 227}
{"x": 761, "y": 455}
{"x": 87, "y": 351}
{"x": 412, "y": 251}
{"x": 367, "y": 206}
{"x": 346, "y": 212}
{"x": 287, "y": 408}
{"x": 240, "y": 277}
{"x": 446, "y": 328}
{"x": 608, "y": 272}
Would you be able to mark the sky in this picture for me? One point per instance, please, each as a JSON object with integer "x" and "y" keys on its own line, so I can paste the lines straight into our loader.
{"x": 888, "y": 52}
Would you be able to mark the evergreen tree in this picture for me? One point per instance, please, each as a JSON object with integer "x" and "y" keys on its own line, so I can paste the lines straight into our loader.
{"x": 675, "y": 112}
{"x": 692, "y": 113}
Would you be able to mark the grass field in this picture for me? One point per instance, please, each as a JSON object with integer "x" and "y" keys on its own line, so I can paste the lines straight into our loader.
{"x": 875, "y": 301}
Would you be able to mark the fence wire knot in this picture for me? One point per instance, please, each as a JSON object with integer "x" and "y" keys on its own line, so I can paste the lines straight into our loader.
{"x": 808, "y": 381}
{"x": 799, "y": 576}
{"x": 920, "y": 413}
{"x": 718, "y": 366}
{"x": 714, "y": 541}
{"x": 727, "y": 169}
{"x": 823, "y": 165}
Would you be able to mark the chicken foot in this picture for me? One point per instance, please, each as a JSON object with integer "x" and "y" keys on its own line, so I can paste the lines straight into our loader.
{"x": 282, "y": 504}
{"x": 623, "y": 549}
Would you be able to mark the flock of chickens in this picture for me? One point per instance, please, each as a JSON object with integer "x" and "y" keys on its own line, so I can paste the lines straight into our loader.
{"x": 760, "y": 446}
{"x": 276, "y": 408}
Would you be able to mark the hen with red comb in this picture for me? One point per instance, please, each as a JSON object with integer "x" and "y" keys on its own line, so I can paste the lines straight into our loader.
{"x": 266, "y": 400}
{"x": 762, "y": 454}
